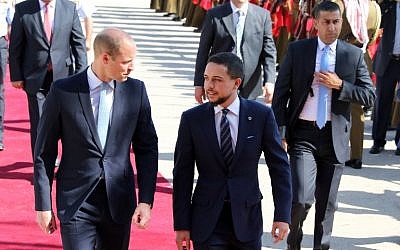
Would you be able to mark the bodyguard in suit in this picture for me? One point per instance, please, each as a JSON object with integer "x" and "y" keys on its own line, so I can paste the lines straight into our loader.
{"x": 244, "y": 29}
{"x": 317, "y": 82}
{"x": 387, "y": 69}
{"x": 98, "y": 115}
{"x": 44, "y": 34}
{"x": 225, "y": 138}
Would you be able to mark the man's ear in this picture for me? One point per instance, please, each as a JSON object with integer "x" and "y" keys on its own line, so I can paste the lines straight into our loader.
{"x": 238, "y": 81}
{"x": 105, "y": 57}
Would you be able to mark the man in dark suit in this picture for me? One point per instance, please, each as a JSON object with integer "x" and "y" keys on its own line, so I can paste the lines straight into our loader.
{"x": 225, "y": 139}
{"x": 44, "y": 35}
{"x": 244, "y": 29}
{"x": 317, "y": 82}
{"x": 98, "y": 114}
{"x": 387, "y": 69}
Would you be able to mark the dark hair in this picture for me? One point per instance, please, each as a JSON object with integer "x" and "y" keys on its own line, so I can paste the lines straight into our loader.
{"x": 231, "y": 61}
{"x": 325, "y": 5}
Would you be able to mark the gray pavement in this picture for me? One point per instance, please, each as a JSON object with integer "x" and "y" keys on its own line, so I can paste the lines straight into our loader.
{"x": 368, "y": 216}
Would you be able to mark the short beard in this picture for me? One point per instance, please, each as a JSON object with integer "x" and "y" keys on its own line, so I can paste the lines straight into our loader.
{"x": 219, "y": 101}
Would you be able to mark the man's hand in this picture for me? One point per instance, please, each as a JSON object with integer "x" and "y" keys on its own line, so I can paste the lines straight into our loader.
{"x": 329, "y": 79}
{"x": 279, "y": 231}
{"x": 268, "y": 92}
{"x": 46, "y": 221}
{"x": 284, "y": 144}
{"x": 142, "y": 215}
{"x": 199, "y": 94}
{"x": 18, "y": 84}
{"x": 183, "y": 240}
{"x": 88, "y": 44}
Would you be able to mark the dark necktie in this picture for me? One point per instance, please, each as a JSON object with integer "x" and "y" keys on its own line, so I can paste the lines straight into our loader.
{"x": 226, "y": 140}
{"x": 46, "y": 22}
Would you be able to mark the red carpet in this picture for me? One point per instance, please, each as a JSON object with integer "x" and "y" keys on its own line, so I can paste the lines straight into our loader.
{"x": 18, "y": 229}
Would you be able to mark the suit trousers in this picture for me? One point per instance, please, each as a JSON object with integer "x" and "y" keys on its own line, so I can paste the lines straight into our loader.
{"x": 223, "y": 236}
{"x": 385, "y": 88}
{"x": 357, "y": 131}
{"x": 35, "y": 106}
{"x": 93, "y": 228}
{"x": 3, "y": 65}
{"x": 316, "y": 176}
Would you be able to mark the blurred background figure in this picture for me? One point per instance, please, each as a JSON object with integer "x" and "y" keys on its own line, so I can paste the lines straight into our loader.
{"x": 6, "y": 15}
{"x": 387, "y": 69}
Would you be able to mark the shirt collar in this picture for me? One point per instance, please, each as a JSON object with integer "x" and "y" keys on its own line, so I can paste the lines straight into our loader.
{"x": 234, "y": 107}
{"x": 51, "y": 4}
{"x": 94, "y": 81}
{"x": 244, "y": 8}
{"x": 332, "y": 46}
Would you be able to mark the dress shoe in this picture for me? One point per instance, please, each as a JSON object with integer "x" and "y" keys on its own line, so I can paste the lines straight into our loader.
{"x": 397, "y": 152}
{"x": 376, "y": 149}
{"x": 354, "y": 163}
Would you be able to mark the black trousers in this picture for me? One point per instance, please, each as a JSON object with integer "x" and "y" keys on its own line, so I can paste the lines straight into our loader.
{"x": 93, "y": 228}
{"x": 316, "y": 176}
{"x": 35, "y": 106}
{"x": 223, "y": 236}
{"x": 385, "y": 89}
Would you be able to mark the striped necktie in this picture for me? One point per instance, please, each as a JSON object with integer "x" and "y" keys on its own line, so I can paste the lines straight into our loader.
{"x": 226, "y": 139}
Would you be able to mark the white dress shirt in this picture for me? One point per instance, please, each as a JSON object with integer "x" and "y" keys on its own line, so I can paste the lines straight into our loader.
{"x": 310, "y": 108}
{"x": 94, "y": 88}
{"x": 233, "y": 118}
{"x": 52, "y": 9}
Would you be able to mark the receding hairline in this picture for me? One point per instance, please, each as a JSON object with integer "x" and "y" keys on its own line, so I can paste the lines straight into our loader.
{"x": 110, "y": 40}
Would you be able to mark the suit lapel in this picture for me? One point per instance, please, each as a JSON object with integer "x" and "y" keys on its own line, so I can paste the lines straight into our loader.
{"x": 228, "y": 21}
{"x": 84, "y": 98}
{"x": 37, "y": 18}
{"x": 249, "y": 24}
{"x": 117, "y": 109}
{"x": 244, "y": 119}
{"x": 212, "y": 135}
{"x": 309, "y": 62}
{"x": 57, "y": 18}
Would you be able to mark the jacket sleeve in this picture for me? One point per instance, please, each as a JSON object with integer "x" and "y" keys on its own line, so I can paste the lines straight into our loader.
{"x": 361, "y": 91}
{"x": 17, "y": 47}
{"x": 268, "y": 54}
{"x": 77, "y": 42}
{"x": 46, "y": 149}
{"x": 205, "y": 44}
{"x": 183, "y": 174}
{"x": 145, "y": 147}
{"x": 279, "y": 170}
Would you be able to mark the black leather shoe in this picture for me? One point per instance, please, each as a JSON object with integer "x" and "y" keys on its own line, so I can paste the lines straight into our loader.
{"x": 354, "y": 163}
{"x": 397, "y": 151}
{"x": 376, "y": 149}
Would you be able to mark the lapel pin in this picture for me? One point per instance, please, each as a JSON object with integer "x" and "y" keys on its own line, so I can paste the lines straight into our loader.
{"x": 249, "y": 118}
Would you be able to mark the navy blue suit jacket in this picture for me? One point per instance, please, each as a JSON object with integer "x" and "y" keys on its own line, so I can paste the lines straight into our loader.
{"x": 197, "y": 143}
{"x": 68, "y": 115}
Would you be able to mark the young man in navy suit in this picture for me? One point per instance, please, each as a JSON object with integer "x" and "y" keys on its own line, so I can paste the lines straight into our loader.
{"x": 99, "y": 115}
{"x": 225, "y": 138}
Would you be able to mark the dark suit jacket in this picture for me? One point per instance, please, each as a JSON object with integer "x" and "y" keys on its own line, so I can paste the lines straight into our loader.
{"x": 258, "y": 47}
{"x": 294, "y": 83}
{"x": 30, "y": 51}
{"x": 385, "y": 48}
{"x": 68, "y": 115}
{"x": 197, "y": 143}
